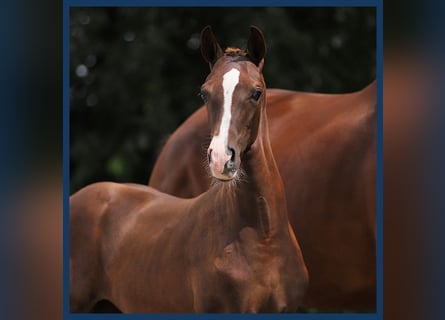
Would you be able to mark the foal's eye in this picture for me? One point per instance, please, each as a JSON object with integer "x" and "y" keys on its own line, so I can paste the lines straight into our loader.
{"x": 256, "y": 94}
{"x": 203, "y": 96}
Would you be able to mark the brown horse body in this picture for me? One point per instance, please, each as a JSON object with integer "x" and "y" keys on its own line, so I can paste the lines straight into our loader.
{"x": 324, "y": 145}
{"x": 230, "y": 249}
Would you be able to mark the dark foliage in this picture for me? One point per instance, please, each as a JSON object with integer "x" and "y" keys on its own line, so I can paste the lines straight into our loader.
{"x": 135, "y": 72}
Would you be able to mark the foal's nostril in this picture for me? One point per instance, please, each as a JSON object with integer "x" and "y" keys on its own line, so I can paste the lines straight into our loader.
{"x": 209, "y": 157}
{"x": 230, "y": 164}
{"x": 232, "y": 156}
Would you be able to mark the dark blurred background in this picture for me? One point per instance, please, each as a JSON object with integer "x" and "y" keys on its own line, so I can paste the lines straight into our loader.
{"x": 135, "y": 72}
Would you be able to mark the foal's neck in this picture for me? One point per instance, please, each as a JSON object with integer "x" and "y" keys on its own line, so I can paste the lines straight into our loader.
{"x": 259, "y": 163}
{"x": 263, "y": 186}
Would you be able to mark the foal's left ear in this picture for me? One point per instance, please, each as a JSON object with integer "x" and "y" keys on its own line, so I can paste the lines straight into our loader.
{"x": 256, "y": 47}
{"x": 210, "y": 49}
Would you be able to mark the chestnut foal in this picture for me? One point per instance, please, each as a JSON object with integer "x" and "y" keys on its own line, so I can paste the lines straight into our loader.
{"x": 231, "y": 249}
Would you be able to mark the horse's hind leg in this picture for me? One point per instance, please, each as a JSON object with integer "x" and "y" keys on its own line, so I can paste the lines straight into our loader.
{"x": 86, "y": 212}
{"x": 85, "y": 266}
{"x": 86, "y": 272}
{"x": 83, "y": 289}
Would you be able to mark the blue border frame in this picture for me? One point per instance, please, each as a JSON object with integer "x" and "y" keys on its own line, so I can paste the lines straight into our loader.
{"x": 378, "y": 4}
{"x": 66, "y": 158}
{"x": 223, "y": 3}
{"x": 379, "y": 139}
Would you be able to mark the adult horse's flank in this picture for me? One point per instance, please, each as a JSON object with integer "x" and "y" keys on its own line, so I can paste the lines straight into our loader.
{"x": 324, "y": 145}
{"x": 231, "y": 249}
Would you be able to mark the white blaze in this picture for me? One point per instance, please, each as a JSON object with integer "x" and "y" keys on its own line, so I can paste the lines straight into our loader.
{"x": 218, "y": 145}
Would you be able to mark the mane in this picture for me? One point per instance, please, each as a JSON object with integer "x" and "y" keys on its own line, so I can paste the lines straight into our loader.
{"x": 235, "y": 52}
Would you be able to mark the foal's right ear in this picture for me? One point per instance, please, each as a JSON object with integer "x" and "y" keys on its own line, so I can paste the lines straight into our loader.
{"x": 256, "y": 47}
{"x": 210, "y": 49}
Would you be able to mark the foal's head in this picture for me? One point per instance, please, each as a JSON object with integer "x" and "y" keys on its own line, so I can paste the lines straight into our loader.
{"x": 234, "y": 93}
